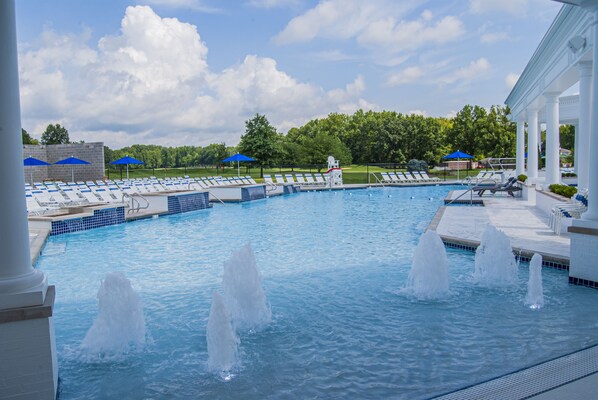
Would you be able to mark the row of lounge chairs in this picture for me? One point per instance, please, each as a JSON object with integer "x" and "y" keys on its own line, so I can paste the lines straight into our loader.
{"x": 50, "y": 197}
{"x": 573, "y": 209}
{"x": 301, "y": 179}
{"x": 407, "y": 177}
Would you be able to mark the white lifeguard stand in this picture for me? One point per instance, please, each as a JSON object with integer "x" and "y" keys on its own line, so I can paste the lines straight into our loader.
{"x": 334, "y": 173}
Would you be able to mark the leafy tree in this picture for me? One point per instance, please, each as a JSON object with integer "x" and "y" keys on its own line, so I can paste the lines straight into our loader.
{"x": 567, "y": 137}
{"x": 27, "y": 139}
{"x": 55, "y": 134}
{"x": 260, "y": 141}
{"x": 315, "y": 150}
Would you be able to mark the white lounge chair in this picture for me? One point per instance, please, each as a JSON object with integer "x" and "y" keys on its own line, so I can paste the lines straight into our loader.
{"x": 289, "y": 178}
{"x": 386, "y": 178}
{"x": 309, "y": 180}
{"x": 268, "y": 179}
{"x": 300, "y": 179}
{"x": 279, "y": 179}
{"x": 320, "y": 179}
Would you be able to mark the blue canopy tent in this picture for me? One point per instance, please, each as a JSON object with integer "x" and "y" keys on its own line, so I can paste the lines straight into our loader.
{"x": 34, "y": 162}
{"x": 458, "y": 155}
{"x": 72, "y": 161}
{"x": 238, "y": 157}
{"x": 126, "y": 160}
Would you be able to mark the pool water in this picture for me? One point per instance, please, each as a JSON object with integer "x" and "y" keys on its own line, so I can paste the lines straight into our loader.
{"x": 333, "y": 266}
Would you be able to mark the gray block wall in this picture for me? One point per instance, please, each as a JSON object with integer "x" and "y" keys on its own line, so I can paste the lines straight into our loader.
{"x": 91, "y": 152}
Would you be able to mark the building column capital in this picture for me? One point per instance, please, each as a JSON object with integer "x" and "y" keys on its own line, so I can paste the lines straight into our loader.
{"x": 551, "y": 97}
{"x": 585, "y": 68}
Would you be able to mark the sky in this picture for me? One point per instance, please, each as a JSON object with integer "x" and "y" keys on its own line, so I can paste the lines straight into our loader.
{"x": 191, "y": 72}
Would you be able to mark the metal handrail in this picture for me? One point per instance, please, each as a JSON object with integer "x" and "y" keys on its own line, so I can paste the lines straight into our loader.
{"x": 378, "y": 180}
{"x": 470, "y": 191}
{"x": 134, "y": 199}
{"x": 216, "y": 197}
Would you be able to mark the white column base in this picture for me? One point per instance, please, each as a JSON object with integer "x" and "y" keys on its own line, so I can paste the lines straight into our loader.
{"x": 29, "y": 367}
{"x": 23, "y": 291}
{"x": 584, "y": 251}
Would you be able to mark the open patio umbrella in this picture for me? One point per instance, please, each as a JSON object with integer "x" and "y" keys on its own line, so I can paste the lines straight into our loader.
{"x": 458, "y": 155}
{"x": 72, "y": 161}
{"x": 33, "y": 162}
{"x": 238, "y": 157}
{"x": 126, "y": 160}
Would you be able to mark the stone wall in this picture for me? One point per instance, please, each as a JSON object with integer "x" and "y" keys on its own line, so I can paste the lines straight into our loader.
{"x": 91, "y": 152}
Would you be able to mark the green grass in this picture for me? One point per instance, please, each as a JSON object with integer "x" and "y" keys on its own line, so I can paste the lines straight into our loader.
{"x": 351, "y": 174}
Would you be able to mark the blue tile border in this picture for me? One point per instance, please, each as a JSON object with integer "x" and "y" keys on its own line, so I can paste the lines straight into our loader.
{"x": 253, "y": 193}
{"x": 583, "y": 282}
{"x": 188, "y": 202}
{"x": 101, "y": 217}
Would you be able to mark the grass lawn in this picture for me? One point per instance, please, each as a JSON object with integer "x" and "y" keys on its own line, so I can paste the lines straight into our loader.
{"x": 351, "y": 173}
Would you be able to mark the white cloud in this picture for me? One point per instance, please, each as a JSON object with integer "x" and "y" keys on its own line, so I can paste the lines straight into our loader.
{"x": 476, "y": 70}
{"x": 423, "y": 113}
{"x": 196, "y": 5}
{"x": 340, "y": 19}
{"x": 408, "y": 75}
{"x": 272, "y": 3}
{"x": 152, "y": 84}
{"x": 493, "y": 37}
{"x": 511, "y": 79}
{"x": 513, "y": 7}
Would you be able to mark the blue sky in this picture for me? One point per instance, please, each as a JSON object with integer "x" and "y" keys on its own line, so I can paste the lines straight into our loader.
{"x": 175, "y": 72}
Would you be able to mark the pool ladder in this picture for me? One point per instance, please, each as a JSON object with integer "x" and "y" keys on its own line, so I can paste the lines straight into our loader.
{"x": 134, "y": 203}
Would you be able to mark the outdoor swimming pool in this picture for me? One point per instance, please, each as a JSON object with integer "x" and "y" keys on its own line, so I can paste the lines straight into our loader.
{"x": 333, "y": 265}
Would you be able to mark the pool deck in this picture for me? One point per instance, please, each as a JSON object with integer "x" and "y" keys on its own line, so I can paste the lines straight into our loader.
{"x": 524, "y": 224}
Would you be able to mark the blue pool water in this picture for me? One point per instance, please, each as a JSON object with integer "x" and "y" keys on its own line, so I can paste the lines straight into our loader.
{"x": 333, "y": 265}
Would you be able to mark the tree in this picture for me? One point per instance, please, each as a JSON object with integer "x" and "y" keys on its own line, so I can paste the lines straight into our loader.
{"x": 261, "y": 142}
{"x": 55, "y": 134}
{"x": 27, "y": 139}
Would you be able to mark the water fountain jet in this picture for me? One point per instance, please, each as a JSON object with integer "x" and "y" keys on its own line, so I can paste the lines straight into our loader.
{"x": 535, "y": 296}
{"x": 243, "y": 292}
{"x": 221, "y": 338}
{"x": 428, "y": 278}
{"x": 495, "y": 263}
{"x": 120, "y": 323}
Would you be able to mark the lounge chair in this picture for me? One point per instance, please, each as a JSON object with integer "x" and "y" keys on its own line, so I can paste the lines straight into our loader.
{"x": 309, "y": 180}
{"x": 289, "y": 178}
{"x": 424, "y": 174}
{"x": 386, "y": 178}
{"x": 300, "y": 179}
{"x": 508, "y": 186}
{"x": 279, "y": 179}
{"x": 251, "y": 180}
{"x": 268, "y": 179}
{"x": 319, "y": 179}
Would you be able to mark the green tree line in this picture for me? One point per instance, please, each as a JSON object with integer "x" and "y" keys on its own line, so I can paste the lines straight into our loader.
{"x": 361, "y": 138}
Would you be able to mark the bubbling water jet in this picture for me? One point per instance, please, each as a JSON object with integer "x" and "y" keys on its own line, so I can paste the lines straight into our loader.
{"x": 243, "y": 292}
{"x": 428, "y": 278}
{"x": 495, "y": 263}
{"x": 120, "y": 323}
{"x": 535, "y": 296}
{"x": 221, "y": 338}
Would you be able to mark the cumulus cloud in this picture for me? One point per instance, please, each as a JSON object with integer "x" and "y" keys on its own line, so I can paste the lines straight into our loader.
{"x": 272, "y": 3}
{"x": 381, "y": 26}
{"x": 513, "y": 7}
{"x": 152, "y": 83}
{"x": 196, "y": 5}
{"x": 511, "y": 79}
{"x": 493, "y": 37}
{"x": 408, "y": 75}
{"x": 476, "y": 70}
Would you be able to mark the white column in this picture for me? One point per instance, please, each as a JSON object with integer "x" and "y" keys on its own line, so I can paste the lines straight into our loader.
{"x": 532, "y": 144}
{"x": 20, "y": 284}
{"x": 582, "y": 141}
{"x": 520, "y": 161}
{"x": 553, "y": 171}
{"x": 575, "y": 153}
{"x": 592, "y": 213}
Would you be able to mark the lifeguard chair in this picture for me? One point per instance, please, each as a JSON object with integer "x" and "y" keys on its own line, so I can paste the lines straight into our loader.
{"x": 334, "y": 173}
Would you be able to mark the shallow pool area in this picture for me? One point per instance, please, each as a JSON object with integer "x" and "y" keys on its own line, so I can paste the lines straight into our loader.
{"x": 333, "y": 267}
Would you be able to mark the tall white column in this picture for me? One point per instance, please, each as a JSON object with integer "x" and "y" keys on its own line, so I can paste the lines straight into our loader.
{"x": 553, "y": 171}
{"x": 532, "y": 144}
{"x": 575, "y": 153}
{"x": 582, "y": 141}
{"x": 520, "y": 161}
{"x": 20, "y": 284}
{"x": 592, "y": 213}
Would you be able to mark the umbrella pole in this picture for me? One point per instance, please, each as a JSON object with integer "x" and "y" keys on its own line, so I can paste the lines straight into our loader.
{"x": 73, "y": 174}
{"x": 238, "y": 170}
{"x": 127, "y": 171}
{"x": 458, "y": 168}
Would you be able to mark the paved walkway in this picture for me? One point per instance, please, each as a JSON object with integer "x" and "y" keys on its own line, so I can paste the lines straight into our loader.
{"x": 520, "y": 220}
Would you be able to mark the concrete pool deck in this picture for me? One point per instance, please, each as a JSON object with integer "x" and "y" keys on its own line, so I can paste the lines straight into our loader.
{"x": 524, "y": 224}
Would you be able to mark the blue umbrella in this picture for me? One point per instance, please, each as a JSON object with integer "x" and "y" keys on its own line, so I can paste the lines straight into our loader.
{"x": 126, "y": 160}
{"x": 458, "y": 154}
{"x": 238, "y": 157}
{"x": 33, "y": 162}
{"x": 72, "y": 161}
